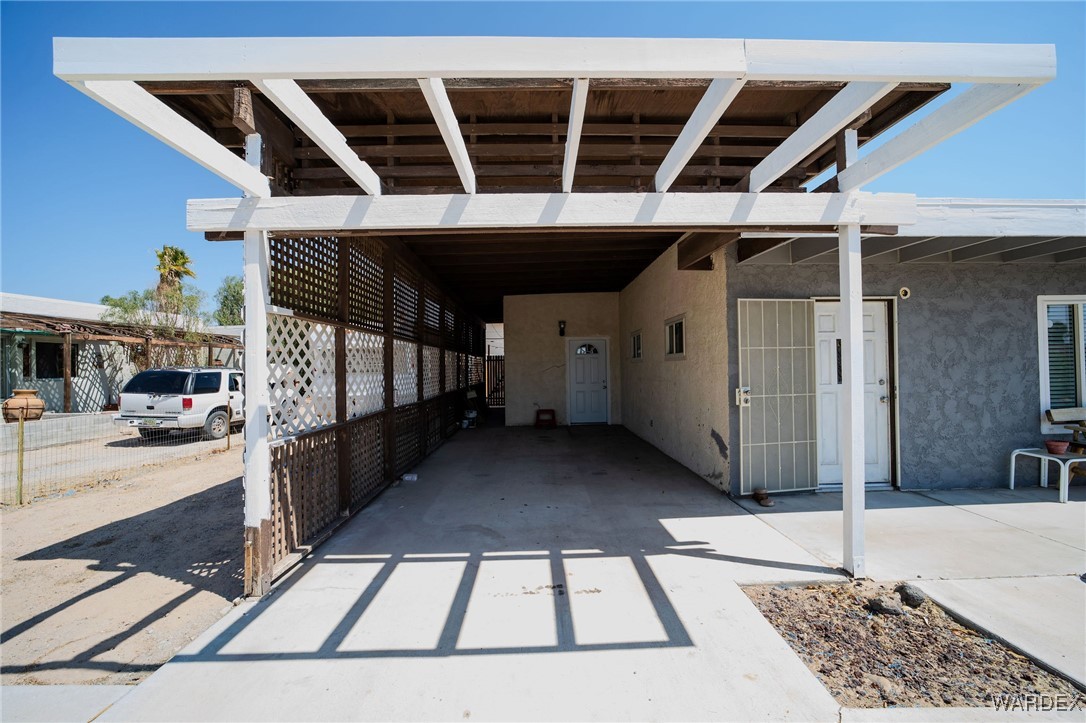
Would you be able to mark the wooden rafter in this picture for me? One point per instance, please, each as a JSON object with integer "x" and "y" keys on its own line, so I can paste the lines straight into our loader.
{"x": 438, "y": 100}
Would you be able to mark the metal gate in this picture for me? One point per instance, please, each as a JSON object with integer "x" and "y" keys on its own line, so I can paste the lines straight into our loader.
{"x": 776, "y": 395}
{"x": 495, "y": 381}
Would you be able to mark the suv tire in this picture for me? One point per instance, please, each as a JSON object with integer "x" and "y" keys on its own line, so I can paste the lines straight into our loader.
{"x": 217, "y": 425}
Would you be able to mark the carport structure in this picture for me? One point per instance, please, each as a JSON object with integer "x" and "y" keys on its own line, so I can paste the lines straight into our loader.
{"x": 396, "y": 189}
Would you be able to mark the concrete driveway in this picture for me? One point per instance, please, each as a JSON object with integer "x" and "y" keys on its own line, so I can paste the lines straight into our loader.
{"x": 526, "y": 575}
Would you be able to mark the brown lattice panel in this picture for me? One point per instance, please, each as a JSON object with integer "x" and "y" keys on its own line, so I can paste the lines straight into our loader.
{"x": 407, "y": 438}
{"x": 305, "y": 490}
{"x": 366, "y": 284}
{"x": 303, "y": 275}
{"x": 365, "y": 439}
{"x": 405, "y": 301}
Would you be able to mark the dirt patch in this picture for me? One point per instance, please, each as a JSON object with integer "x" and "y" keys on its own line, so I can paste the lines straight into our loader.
{"x": 106, "y": 584}
{"x": 900, "y": 656}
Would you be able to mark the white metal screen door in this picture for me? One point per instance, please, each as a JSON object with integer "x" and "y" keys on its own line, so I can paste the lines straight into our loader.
{"x": 776, "y": 395}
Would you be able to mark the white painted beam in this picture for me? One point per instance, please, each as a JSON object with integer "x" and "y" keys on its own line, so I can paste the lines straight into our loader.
{"x": 852, "y": 394}
{"x": 300, "y": 108}
{"x": 953, "y": 117}
{"x": 511, "y": 57}
{"x": 577, "y": 106}
{"x": 899, "y": 62}
{"x": 849, "y": 102}
{"x": 142, "y": 109}
{"x": 438, "y": 100}
{"x": 706, "y": 115}
{"x": 549, "y": 210}
{"x": 991, "y": 217}
{"x": 348, "y": 58}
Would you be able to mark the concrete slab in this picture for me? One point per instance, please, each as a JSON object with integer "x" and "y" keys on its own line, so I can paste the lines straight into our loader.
{"x": 543, "y": 575}
{"x": 914, "y": 535}
{"x": 1041, "y": 616}
{"x": 57, "y": 703}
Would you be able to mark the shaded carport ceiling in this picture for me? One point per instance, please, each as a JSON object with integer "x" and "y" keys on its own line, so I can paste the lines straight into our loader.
{"x": 515, "y": 131}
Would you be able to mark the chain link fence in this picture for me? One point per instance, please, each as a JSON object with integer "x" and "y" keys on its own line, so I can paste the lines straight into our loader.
{"x": 61, "y": 453}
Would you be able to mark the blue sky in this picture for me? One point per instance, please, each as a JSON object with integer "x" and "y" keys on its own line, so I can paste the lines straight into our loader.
{"x": 86, "y": 197}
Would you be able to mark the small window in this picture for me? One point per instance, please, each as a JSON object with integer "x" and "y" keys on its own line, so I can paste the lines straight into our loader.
{"x": 207, "y": 383}
{"x": 635, "y": 345}
{"x": 587, "y": 349}
{"x": 235, "y": 382}
{"x": 49, "y": 360}
{"x": 1062, "y": 352}
{"x": 676, "y": 338}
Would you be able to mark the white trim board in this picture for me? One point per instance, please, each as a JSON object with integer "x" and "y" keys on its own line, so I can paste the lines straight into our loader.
{"x": 1042, "y": 355}
{"x": 521, "y": 57}
{"x": 549, "y": 210}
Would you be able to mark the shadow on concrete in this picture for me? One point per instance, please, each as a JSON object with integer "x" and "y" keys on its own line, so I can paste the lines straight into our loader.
{"x": 493, "y": 499}
{"x": 194, "y": 540}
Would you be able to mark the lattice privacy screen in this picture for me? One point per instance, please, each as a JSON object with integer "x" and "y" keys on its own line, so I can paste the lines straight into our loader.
{"x": 431, "y": 372}
{"x": 301, "y": 375}
{"x": 450, "y": 371}
{"x": 405, "y": 372}
{"x": 365, "y": 373}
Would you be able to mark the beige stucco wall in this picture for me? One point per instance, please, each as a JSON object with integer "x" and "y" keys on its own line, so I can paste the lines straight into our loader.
{"x": 535, "y": 356}
{"x": 679, "y": 406}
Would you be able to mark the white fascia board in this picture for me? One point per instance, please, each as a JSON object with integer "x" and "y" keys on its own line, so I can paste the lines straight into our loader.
{"x": 301, "y": 109}
{"x": 137, "y": 106}
{"x": 548, "y": 210}
{"x": 404, "y": 57}
{"x": 577, "y": 104}
{"x": 830, "y": 60}
{"x": 440, "y": 107}
{"x": 842, "y": 108}
{"x": 957, "y": 114}
{"x": 990, "y": 218}
{"x": 719, "y": 95}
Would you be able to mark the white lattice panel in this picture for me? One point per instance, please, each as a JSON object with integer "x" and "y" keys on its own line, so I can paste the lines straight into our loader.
{"x": 431, "y": 372}
{"x": 450, "y": 371}
{"x": 405, "y": 372}
{"x": 475, "y": 370}
{"x": 365, "y": 373}
{"x": 301, "y": 375}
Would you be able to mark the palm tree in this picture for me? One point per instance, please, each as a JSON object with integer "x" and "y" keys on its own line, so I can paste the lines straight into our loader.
{"x": 173, "y": 265}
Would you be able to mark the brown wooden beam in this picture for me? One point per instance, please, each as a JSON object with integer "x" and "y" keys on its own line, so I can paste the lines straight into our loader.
{"x": 696, "y": 247}
{"x": 543, "y": 150}
{"x": 529, "y": 170}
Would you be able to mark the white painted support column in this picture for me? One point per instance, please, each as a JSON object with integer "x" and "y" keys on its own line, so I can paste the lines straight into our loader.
{"x": 852, "y": 358}
{"x": 257, "y": 397}
{"x": 257, "y": 470}
{"x": 577, "y": 106}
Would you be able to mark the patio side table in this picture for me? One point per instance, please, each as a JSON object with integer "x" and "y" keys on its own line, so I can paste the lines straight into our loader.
{"x": 1063, "y": 460}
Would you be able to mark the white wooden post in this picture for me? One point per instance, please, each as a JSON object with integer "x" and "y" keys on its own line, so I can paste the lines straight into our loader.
{"x": 257, "y": 479}
{"x": 852, "y": 358}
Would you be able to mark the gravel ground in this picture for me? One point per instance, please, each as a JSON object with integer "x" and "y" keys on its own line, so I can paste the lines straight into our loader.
{"x": 105, "y": 584}
{"x": 919, "y": 658}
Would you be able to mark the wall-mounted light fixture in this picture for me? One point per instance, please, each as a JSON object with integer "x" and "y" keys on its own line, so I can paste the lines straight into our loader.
{"x": 561, "y": 328}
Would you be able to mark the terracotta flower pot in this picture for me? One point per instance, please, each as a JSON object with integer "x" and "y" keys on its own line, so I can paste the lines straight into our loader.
{"x": 1055, "y": 446}
{"x": 26, "y": 402}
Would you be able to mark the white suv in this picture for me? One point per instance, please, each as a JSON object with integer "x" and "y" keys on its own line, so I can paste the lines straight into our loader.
{"x": 158, "y": 400}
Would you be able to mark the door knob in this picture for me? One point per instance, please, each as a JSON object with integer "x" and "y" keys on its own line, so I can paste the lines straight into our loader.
{"x": 884, "y": 399}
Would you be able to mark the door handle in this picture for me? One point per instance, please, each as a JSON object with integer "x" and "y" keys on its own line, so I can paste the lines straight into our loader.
{"x": 884, "y": 399}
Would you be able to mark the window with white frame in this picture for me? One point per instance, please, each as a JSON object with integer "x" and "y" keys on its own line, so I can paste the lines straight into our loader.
{"x": 635, "y": 345}
{"x": 676, "y": 338}
{"x": 1061, "y": 337}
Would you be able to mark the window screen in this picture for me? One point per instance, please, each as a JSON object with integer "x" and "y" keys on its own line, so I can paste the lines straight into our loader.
{"x": 49, "y": 360}
{"x": 1066, "y": 349}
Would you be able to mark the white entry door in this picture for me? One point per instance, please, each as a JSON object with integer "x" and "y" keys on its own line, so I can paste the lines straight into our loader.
{"x": 877, "y": 390}
{"x": 587, "y": 366}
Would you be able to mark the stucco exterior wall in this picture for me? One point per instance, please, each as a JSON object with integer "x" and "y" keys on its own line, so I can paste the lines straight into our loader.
{"x": 968, "y": 387}
{"x": 680, "y": 406}
{"x": 99, "y": 372}
{"x": 535, "y": 356}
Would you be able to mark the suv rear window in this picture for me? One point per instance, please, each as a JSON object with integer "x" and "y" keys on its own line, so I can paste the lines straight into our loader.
{"x": 207, "y": 382}
{"x": 157, "y": 381}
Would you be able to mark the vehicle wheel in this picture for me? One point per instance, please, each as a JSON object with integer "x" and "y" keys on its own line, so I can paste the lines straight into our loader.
{"x": 151, "y": 434}
{"x": 217, "y": 425}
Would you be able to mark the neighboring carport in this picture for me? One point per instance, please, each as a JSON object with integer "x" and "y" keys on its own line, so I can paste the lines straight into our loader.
{"x": 363, "y": 154}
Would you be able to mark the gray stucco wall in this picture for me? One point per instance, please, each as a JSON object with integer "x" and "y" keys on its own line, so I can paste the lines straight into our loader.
{"x": 967, "y": 352}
